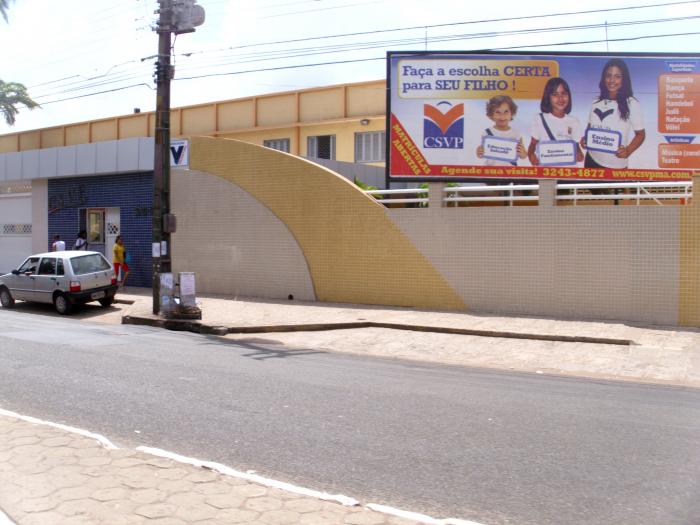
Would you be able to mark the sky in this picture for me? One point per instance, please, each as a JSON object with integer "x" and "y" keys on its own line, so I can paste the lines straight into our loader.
{"x": 90, "y": 59}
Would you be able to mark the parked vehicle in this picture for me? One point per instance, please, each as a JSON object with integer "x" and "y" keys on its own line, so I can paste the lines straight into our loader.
{"x": 64, "y": 279}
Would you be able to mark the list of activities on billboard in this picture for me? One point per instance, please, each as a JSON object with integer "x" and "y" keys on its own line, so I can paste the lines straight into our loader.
{"x": 579, "y": 116}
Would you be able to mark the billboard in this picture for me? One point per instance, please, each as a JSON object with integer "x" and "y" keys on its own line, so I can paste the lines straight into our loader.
{"x": 576, "y": 116}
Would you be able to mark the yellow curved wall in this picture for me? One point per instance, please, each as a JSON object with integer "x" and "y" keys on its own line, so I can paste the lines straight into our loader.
{"x": 689, "y": 307}
{"x": 354, "y": 251}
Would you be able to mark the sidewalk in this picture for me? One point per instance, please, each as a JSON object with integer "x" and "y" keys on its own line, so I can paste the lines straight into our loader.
{"x": 602, "y": 350}
{"x": 50, "y": 474}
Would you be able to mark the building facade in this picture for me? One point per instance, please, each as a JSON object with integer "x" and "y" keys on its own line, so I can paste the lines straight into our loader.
{"x": 53, "y": 169}
{"x": 344, "y": 123}
{"x": 253, "y": 221}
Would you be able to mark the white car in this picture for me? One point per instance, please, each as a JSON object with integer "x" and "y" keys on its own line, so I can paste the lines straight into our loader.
{"x": 63, "y": 279}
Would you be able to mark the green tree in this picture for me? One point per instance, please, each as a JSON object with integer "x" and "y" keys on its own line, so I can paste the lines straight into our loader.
{"x": 12, "y": 94}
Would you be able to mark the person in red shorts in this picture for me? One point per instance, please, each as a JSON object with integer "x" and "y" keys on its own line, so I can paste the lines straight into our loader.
{"x": 119, "y": 260}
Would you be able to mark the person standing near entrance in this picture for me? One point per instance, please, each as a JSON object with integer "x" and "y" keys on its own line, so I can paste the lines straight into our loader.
{"x": 58, "y": 245}
{"x": 81, "y": 241}
{"x": 119, "y": 260}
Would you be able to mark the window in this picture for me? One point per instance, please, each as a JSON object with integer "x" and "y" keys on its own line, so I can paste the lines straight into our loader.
{"x": 96, "y": 226}
{"x": 321, "y": 147}
{"x": 369, "y": 147}
{"x": 47, "y": 266}
{"x": 89, "y": 264}
{"x": 29, "y": 265}
{"x": 59, "y": 267}
{"x": 278, "y": 144}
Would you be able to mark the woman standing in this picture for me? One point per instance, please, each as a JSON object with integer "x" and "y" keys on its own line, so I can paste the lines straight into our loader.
{"x": 119, "y": 260}
{"x": 616, "y": 109}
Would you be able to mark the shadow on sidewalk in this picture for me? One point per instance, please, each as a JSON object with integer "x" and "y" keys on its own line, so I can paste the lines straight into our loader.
{"x": 259, "y": 350}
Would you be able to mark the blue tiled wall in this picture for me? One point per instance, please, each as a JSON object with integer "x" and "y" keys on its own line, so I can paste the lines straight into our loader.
{"x": 132, "y": 194}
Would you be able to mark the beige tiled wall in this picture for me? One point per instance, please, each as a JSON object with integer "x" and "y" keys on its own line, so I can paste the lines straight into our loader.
{"x": 354, "y": 252}
{"x": 613, "y": 262}
{"x": 637, "y": 264}
{"x": 234, "y": 244}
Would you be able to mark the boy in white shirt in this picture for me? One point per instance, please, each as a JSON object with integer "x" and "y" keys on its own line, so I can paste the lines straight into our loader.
{"x": 501, "y": 110}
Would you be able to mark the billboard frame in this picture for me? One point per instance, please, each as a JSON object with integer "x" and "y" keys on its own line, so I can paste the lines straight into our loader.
{"x": 420, "y": 179}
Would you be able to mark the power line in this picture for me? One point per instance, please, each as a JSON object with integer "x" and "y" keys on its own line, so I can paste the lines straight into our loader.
{"x": 337, "y": 48}
{"x": 340, "y": 62}
{"x": 84, "y": 83}
{"x": 70, "y": 84}
{"x": 471, "y": 22}
{"x": 399, "y": 42}
{"x": 99, "y": 93}
{"x": 553, "y": 44}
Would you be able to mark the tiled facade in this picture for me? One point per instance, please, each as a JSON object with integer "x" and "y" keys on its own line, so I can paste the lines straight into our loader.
{"x": 132, "y": 194}
{"x": 353, "y": 250}
{"x": 631, "y": 263}
{"x": 242, "y": 249}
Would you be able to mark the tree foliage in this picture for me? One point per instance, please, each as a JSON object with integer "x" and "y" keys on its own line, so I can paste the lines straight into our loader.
{"x": 13, "y": 94}
{"x": 4, "y": 5}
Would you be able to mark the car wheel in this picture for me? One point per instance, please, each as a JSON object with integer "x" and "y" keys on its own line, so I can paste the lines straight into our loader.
{"x": 107, "y": 301}
{"x": 62, "y": 304}
{"x": 6, "y": 298}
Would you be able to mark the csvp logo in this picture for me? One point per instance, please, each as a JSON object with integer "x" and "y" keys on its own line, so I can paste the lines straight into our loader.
{"x": 443, "y": 130}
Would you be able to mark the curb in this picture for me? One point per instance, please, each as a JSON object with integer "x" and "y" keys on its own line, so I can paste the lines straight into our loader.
{"x": 200, "y": 328}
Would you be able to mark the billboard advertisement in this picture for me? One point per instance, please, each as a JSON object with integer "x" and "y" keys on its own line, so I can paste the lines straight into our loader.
{"x": 577, "y": 116}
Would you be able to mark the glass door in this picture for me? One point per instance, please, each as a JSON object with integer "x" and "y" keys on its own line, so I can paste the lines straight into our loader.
{"x": 95, "y": 219}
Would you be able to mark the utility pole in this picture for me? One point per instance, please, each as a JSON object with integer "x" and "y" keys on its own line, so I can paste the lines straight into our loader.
{"x": 175, "y": 16}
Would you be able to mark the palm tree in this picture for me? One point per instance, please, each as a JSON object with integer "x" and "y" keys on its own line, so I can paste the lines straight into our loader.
{"x": 4, "y": 5}
{"x": 12, "y": 93}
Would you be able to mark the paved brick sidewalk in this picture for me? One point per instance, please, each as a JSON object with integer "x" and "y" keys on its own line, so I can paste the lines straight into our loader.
{"x": 49, "y": 476}
{"x": 667, "y": 355}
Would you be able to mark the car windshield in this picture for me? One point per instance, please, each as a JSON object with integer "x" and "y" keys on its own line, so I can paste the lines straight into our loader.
{"x": 91, "y": 263}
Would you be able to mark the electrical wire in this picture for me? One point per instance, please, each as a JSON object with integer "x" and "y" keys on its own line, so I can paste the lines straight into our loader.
{"x": 138, "y": 72}
{"x": 71, "y": 84}
{"x": 470, "y": 22}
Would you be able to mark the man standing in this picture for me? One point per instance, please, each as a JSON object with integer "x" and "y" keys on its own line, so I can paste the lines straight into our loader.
{"x": 58, "y": 245}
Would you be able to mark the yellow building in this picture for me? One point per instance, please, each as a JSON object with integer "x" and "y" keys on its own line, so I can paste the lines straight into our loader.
{"x": 343, "y": 122}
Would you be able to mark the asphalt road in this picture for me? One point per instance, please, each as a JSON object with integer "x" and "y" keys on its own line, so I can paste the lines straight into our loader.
{"x": 446, "y": 441}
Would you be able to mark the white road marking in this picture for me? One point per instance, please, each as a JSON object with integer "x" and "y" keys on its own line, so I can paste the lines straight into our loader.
{"x": 255, "y": 478}
{"x": 414, "y": 516}
{"x": 106, "y": 443}
{"x": 228, "y": 471}
{"x": 344, "y": 500}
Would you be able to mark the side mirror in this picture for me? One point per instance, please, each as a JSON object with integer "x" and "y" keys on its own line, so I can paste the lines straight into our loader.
{"x": 15, "y": 272}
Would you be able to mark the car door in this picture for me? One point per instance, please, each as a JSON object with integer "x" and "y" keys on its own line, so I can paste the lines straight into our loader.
{"x": 21, "y": 283}
{"x": 45, "y": 281}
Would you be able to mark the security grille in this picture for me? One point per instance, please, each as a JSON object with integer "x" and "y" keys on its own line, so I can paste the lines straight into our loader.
{"x": 321, "y": 147}
{"x": 17, "y": 229}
